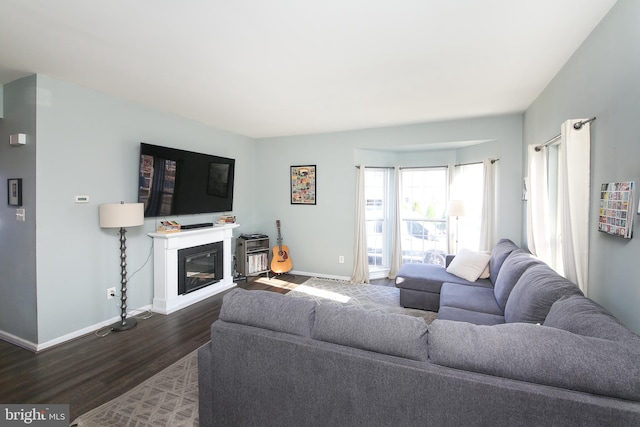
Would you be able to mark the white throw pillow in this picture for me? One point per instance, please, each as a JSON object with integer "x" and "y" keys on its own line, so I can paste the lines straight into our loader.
{"x": 486, "y": 273}
{"x": 468, "y": 264}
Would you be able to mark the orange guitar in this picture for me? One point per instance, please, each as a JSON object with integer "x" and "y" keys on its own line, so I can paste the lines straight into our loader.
{"x": 281, "y": 262}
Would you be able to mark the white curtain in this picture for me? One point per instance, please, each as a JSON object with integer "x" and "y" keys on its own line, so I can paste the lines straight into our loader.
{"x": 487, "y": 223}
{"x": 361, "y": 264}
{"x": 396, "y": 231}
{"x": 574, "y": 167}
{"x": 538, "y": 223}
{"x": 562, "y": 241}
{"x": 453, "y": 194}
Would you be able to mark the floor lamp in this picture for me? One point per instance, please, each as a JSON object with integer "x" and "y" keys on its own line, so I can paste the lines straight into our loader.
{"x": 456, "y": 208}
{"x": 122, "y": 215}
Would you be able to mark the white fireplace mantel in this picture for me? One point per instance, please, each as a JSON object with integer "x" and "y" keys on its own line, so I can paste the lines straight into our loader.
{"x": 165, "y": 266}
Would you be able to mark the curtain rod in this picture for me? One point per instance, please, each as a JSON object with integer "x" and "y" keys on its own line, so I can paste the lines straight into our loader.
{"x": 475, "y": 163}
{"x": 576, "y": 126}
{"x": 423, "y": 167}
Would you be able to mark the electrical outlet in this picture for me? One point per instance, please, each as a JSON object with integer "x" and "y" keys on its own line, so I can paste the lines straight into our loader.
{"x": 341, "y": 259}
{"x": 111, "y": 292}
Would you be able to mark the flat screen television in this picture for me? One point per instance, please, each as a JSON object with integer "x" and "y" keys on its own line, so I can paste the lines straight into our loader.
{"x": 180, "y": 182}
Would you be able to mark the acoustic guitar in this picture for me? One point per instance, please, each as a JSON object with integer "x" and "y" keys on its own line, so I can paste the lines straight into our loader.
{"x": 281, "y": 261}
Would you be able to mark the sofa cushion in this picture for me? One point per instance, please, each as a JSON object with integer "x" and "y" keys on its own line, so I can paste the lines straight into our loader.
{"x": 512, "y": 268}
{"x": 499, "y": 253}
{"x": 457, "y": 314}
{"x": 468, "y": 264}
{"x": 468, "y": 297}
{"x": 582, "y": 316}
{"x": 269, "y": 310}
{"x": 388, "y": 333}
{"x": 534, "y": 294}
{"x": 538, "y": 354}
{"x": 429, "y": 277}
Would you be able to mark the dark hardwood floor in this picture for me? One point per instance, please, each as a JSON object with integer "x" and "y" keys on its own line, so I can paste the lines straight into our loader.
{"x": 92, "y": 370}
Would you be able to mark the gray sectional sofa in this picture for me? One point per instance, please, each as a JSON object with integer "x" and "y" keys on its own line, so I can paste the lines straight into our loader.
{"x": 540, "y": 354}
{"x": 420, "y": 284}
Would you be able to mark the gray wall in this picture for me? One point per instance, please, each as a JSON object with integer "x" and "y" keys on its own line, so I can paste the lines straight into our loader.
{"x": 602, "y": 79}
{"x": 318, "y": 235}
{"x": 18, "y": 239}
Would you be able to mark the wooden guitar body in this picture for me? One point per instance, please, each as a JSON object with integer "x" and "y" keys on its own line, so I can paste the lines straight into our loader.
{"x": 281, "y": 261}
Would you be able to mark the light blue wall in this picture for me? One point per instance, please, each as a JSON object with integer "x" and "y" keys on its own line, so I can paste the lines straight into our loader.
{"x": 17, "y": 239}
{"x": 89, "y": 145}
{"x": 602, "y": 79}
{"x": 318, "y": 235}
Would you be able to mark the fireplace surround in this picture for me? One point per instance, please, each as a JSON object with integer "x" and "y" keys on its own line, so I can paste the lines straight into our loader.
{"x": 166, "y": 293}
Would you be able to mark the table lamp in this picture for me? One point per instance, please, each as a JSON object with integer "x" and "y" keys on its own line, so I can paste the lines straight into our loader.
{"x": 456, "y": 208}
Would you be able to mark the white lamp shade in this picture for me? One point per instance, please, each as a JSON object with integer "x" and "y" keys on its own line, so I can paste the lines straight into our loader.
{"x": 455, "y": 208}
{"x": 117, "y": 215}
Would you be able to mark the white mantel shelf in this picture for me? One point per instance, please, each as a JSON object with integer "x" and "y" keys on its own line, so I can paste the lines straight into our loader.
{"x": 165, "y": 266}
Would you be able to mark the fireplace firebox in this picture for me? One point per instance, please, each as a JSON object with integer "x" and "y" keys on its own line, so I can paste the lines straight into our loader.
{"x": 199, "y": 266}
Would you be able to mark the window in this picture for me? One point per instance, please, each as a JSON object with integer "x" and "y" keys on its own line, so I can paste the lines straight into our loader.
{"x": 424, "y": 223}
{"x": 377, "y": 218}
{"x": 423, "y": 215}
{"x": 468, "y": 187}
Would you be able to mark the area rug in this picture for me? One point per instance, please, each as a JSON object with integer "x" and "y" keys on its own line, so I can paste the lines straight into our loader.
{"x": 169, "y": 398}
{"x": 381, "y": 299}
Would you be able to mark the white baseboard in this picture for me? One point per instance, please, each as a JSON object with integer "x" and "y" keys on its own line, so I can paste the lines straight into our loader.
{"x": 12, "y": 339}
{"x": 28, "y": 345}
{"x": 324, "y": 276}
{"x": 382, "y": 274}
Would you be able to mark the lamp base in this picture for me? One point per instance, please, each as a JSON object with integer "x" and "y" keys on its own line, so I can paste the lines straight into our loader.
{"x": 130, "y": 323}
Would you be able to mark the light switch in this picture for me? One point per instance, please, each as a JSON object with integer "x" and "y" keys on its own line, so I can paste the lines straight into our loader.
{"x": 20, "y": 214}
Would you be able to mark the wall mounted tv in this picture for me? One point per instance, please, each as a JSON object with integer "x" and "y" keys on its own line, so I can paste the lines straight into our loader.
{"x": 179, "y": 182}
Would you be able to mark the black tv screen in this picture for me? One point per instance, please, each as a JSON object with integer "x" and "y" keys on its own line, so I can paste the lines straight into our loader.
{"x": 179, "y": 182}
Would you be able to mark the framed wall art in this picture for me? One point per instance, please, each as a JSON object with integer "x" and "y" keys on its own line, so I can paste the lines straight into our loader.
{"x": 616, "y": 209}
{"x": 14, "y": 191}
{"x": 303, "y": 185}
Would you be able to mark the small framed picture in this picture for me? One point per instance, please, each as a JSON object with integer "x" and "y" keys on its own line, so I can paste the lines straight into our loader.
{"x": 303, "y": 185}
{"x": 14, "y": 191}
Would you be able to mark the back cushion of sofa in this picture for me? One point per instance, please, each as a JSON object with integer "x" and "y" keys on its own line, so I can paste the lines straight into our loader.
{"x": 269, "y": 310}
{"x": 534, "y": 294}
{"x": 499, "y": 253}
{"x": 386, "y": 333}
{"x": 538, "y": 354}
{"x": 582, "y": 316}
{"x": 512, "y": 268}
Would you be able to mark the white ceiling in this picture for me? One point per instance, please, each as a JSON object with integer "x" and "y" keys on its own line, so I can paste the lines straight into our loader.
{"x": 284, "y": 67}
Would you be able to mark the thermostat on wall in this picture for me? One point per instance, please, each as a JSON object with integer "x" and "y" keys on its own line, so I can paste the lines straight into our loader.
{"x": 82, "y": 199}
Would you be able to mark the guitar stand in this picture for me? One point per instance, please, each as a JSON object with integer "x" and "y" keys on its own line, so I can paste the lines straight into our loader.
{"x": 281, "y": 274}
